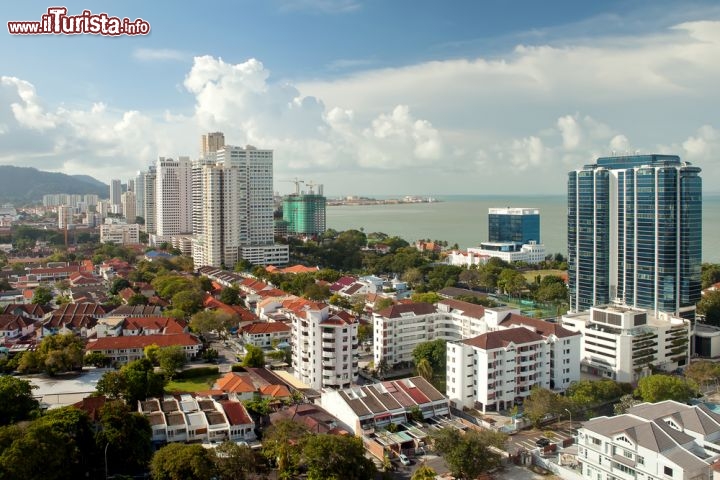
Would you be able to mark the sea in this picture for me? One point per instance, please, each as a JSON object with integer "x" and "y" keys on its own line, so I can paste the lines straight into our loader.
{"x": 462, "y": 219}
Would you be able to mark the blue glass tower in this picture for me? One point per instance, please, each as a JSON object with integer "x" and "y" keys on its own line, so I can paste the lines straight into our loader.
{"x": 634, "y": 234}
{"x": 517, "y": 225}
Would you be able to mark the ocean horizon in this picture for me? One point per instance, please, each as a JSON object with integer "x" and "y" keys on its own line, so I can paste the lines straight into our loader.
{"x": 462, "y": 219}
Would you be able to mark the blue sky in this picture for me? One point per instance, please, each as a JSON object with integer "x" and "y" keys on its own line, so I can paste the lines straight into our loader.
{"x": 370, "y": 97}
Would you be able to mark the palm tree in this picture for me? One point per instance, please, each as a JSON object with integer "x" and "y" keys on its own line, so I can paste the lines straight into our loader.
{"x": 424, "y": 369}
{"x": 424, "y": 473}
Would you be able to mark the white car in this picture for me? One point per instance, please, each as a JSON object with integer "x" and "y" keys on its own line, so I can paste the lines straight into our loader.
{"x": 404, "y": 459}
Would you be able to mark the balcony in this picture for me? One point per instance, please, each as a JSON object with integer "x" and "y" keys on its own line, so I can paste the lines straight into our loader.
{"x": 328, "y": 336}
{"x": 329, "y": 362}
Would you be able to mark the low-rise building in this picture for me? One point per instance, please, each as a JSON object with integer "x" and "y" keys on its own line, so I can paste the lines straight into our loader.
{"x": 262, "y": 334}
{"x": 364, "y": 409}
{"x": 120, "y": 234}
{"x": 126, "y": 349}
{"x": 625, "y": 344}
{"x": 666, "y": 440}
{"x": 186, "y": 418}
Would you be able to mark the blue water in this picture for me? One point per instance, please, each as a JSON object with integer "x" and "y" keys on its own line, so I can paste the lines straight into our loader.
{"x": 462, "y": 219}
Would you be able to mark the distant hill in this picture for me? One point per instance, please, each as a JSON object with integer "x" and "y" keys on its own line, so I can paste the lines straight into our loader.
{"x": 27, "y": 185}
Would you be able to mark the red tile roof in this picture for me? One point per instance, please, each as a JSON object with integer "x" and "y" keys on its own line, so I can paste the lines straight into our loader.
{"x": 236, "y": 413}
{"x": 502, "y": 338}
{"x": 540, "y": 326}
{"x": 266, "y": 327}
{"x": 468, "y": 309}
{"x": 396, "y": 311}
{"x": 141, "y": 341}
{"x": 165, "y": 325}
{"x": 83, "y": 309}
{"x": 13, "y": 322}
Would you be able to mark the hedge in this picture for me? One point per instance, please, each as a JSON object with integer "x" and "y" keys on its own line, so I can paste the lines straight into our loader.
{"x": 197, "y": 372}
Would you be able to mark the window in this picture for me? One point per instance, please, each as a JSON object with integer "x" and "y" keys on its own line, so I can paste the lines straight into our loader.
{"x": 668, "y": 471}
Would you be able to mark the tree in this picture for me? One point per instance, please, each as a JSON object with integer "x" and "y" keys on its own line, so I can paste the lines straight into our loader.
{"x": 230, "y": 296}
{"x": 171, "y": 359}
{"x": 234, "y": 462}
{"x": 435, "y": 352}
{"x": 424, "y": 369}
{"x": 542, "y": 402}
{"x": 117, "y": 285}
{"x": 137, "y": 299}
{"x": 365, "y": 332}
{"x": 210, "y": 321}
{"x": 709, "y": 306}
{"x": 383, "y": 303}
{"x": 127, "y": 435}
{"x": 283, "y": 443}
{"x": 382, "y": 368}
{"x": 626, "y": 402}
{"x": 42, "y": 296}
{"x": 703, "y": 372}
{"x": 254, "y": 356}
{"x": 511, "y": 281}
{"x": 97, "y": 359}
{"x": 468, "y": 455}
{"x": 413, "y": 276}
{"x": 429, "y": 297}
{"x": 335, "y": 457}
{"x": 56, "y": 446}
{"x": 16, "y": 400}
{"x": 657, "y": 388}
{"x": 710, "y": 274}
{"x": 586, "y": 393}
{"x": 317, "y": 292}
{"x": 424, "y": 473}
{"x": 55, "y": 354}
{"x": 177, "y": 461}
{"x": 135, "y": 381}
{"x": 189, "y": 301}
{"x": 151, "y": 353}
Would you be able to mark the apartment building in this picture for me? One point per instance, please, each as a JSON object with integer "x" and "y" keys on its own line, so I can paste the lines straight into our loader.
{"x": 119, "y": 233}
{"x": 126, "y": 349}
{"x": 173, "y": 190}
{"x": 263, "y": 334}
{"x": 652, "y": 441}
{"x": 625, "y": 344}
{"x": 324, "y": 344}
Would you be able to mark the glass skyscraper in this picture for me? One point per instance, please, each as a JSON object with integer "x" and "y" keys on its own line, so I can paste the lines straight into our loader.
{"x": 517, "y": 225}
{"x": 634, "y": 234}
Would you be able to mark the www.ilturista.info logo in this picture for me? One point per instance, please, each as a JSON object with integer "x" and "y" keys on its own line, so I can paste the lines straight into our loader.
{"x": 57, "y": 22}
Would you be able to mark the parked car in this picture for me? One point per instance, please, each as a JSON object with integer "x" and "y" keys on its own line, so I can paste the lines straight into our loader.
{"x": 542, "y": 442}
{"x": 404, "y": 459}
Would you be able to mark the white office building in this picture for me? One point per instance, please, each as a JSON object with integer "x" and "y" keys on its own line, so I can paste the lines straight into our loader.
{"x": 149, "y": 197}
{"x": 652, "y": 441}
{"x": 140, "y": 194}
{"x": 173, "y": 190}
{"x": 625, "y": 344}
{"x": 65, "y": 216}
{"x": 236, "y": 217}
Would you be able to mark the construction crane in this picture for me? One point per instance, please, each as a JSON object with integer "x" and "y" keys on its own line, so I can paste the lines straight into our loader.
{"x": 297, "y": 184}
{"x": 310, "y": 185}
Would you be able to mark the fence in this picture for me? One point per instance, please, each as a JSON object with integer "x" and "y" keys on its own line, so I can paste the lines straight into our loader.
{"x": 564, "y": 472}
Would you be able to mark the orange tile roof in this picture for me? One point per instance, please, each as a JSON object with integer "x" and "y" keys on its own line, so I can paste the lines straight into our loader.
{"x": 235, "y": 382}
{"x": 275, "y": 391}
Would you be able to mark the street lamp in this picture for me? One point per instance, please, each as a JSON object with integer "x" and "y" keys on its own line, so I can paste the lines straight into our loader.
{"x": 106, "y": 464}
{"x": 569, "y": 413}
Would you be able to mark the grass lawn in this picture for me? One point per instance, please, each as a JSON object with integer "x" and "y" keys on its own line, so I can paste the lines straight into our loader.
{"x": 196, "y": 384}
{"x": 531, "y": 274}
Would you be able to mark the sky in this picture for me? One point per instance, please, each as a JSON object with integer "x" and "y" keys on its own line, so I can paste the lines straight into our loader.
{"x": 370, "y": 97}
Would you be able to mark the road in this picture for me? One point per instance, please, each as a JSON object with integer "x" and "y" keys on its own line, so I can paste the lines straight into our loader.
{"x": 525, "y": 439}
{"x": 436, "y": 462}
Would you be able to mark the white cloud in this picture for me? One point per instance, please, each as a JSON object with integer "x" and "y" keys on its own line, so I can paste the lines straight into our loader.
{"x": 443, "y": 126}
{"x": 160, "y": 54}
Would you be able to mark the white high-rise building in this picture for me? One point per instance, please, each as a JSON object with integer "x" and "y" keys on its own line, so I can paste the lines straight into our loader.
{"x": 115, "y": 191}
{"x": 149, "y": 199}
{"x": 65, "y": 216}
{"x": 140, "y": 194}
{"x": 173, "y": 189}
{"x": 131, "y": 185}
{"x": 234, "y": 214}
{"x": 127, "y": 201}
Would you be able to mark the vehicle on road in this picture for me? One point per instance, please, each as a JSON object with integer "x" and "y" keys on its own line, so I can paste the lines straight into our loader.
{"x": 542, "y": 442}
{"x": 404, "y": 459}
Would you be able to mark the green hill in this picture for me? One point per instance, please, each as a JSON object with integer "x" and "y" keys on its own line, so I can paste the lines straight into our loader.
{"x": 21, "y": 185}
